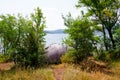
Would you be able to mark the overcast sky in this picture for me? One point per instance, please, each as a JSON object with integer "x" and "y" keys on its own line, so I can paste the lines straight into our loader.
{"x": 52, "y": 9}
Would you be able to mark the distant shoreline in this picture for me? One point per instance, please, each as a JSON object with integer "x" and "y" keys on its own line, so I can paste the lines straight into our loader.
{"x": 57, "y": 31}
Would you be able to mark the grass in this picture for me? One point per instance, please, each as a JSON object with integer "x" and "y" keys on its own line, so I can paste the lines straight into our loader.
{"x": 77, "y": 74}
{"x": 18, "y": 74}
{"x": 70, "y": 72}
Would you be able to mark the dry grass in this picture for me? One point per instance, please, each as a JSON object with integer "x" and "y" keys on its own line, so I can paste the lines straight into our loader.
{"x": 71, "y": 72}
{"x": 23, "y": 74}
{"x": 77, "y": 74}
{"x": 18, "y": 74}
{"x": 115, "y": 69}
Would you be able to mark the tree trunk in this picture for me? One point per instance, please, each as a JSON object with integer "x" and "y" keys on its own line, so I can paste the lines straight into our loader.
{"x": 104, "y": 34}
{"x": 111, "y": 37}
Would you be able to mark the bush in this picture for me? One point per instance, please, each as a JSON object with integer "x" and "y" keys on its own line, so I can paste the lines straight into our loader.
{"x": 73, "y": 56}
{"x": 31, "y": 53}
{"x": 29, "y": 59}
{"x": 80, "y": 36}
{"x": 115, "y": 54}
{"x": 82, "y": 54}
{"x": 23, "y": 38}
{"x": 69, "y": 57}
{"x": 108, "y": 55}
{"x": 103, "y": 56}
{"x": 4, "y": 58}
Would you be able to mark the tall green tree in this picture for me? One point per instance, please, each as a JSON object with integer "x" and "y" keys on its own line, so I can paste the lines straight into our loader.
{"x": 106, "y": 14}
{"x": 8, "y": 31}
{"x": 80, "y": 36}
{"x": 31, "y": 34}
{"x": 23, "y": 38}
{"x": 116, "y": 35}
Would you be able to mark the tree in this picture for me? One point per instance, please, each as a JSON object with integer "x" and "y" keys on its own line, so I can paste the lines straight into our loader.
{"x": 106, "y": 14}
{"x": 116, "y": 35}
{"x": 80, "y": 36}
{"x": 31, "y": 40}
{"x": 23, "y": 38}
{"x": 8, "y": 32}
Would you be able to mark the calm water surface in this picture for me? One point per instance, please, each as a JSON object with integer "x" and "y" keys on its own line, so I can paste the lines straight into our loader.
{"x": 54, "y": 38}
{"x": 49, "y": 38}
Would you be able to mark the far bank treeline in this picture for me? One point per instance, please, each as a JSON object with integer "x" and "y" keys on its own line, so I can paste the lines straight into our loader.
{"x": 23, "y": 37}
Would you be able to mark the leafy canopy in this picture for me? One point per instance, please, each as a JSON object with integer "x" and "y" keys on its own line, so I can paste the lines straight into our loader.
{"x": 23, "y": 38}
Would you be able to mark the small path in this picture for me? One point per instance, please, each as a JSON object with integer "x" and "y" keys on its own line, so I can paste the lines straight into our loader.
{"x": 58, "y": 71}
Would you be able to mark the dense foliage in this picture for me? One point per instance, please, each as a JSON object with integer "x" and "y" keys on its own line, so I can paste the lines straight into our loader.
{"x": 23, "y": 38}
{"x": 96, "y": 32}
{"x": 81, "y": 36}
{"x": 106, "y": 13}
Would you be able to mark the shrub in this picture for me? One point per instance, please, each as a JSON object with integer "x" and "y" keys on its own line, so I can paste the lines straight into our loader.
{"x": 74, "y": 56}
{"x": 103, "y": 56}
{"x": 80, "y": 36}
{"x": 69, "y": 57}
{"x": 30, "y": 51}
{"x": 23, "y": 38}
{"x": 4, "y": 58}
{"x": 115, "y": 54}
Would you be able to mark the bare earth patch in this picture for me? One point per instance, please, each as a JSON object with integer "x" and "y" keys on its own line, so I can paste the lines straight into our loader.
{"x": 6, "y": 66}
{"x": 59, "y": 71}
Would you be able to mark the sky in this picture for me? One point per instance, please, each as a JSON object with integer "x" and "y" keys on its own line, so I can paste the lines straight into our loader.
{"x": 52, "y": 10}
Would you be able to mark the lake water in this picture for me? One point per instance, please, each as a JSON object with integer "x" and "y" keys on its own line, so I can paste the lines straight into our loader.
{"x": 50, "y": 39}
{"x": 54, "y": 38}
